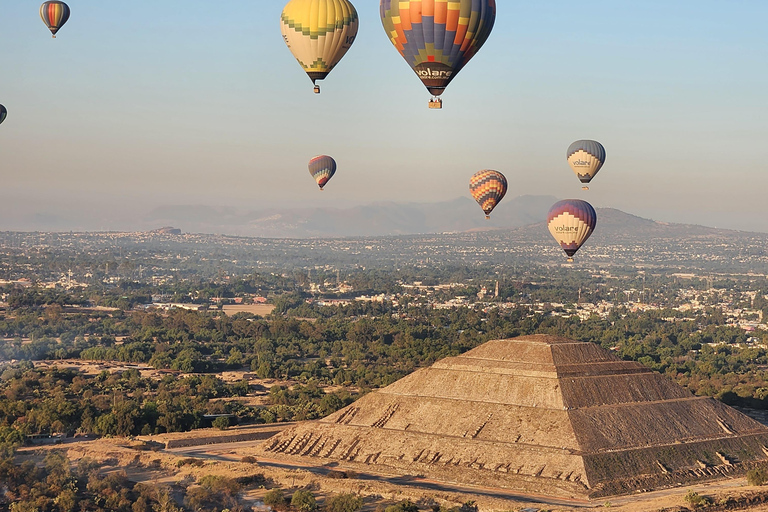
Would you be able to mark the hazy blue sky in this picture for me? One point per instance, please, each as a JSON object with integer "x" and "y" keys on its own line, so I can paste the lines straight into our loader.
{"x": 154, "y": 102}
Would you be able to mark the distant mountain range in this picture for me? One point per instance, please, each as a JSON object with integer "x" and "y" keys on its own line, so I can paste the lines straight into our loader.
{"x": 378, "y": 219}
{"x": 461, "y": 215}
{"x": 616, "y": 226}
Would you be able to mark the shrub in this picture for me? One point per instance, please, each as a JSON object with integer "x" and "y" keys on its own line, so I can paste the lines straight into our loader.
{"x": 757, "y": 476}
{"x": 344, "y": 503}
{"x": 190, "y": 462}
{"x": 303, "y": 501}
{"x": 257, "y": 479}
{"x": 697, "y": 500}
{"x": 221, "y": 423}
{"x": 275, "y": 499}
{"x": 403, "y": 506}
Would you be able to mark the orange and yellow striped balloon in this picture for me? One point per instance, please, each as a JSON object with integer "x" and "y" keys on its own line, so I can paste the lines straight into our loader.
{"x": 54, "y": 15}
{"x": 488, "y": 188}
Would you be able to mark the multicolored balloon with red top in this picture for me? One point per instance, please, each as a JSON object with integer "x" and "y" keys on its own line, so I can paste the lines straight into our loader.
{"x": 437, "y": 37}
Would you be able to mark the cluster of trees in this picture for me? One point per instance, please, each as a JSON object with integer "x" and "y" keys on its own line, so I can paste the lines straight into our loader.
{"x": 359, "y": 351}
{"x": 303, "y": 500}
{"x": 56, "y": 485}
{"x": 34, "y": 401}
{"x": 360, "y": 345}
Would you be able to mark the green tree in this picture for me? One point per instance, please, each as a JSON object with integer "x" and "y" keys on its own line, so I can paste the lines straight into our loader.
{"x": 344, "y": 503}
{"x": 221, "y": 423}
{"x": 275, "y": 499}
{"x": 303, "y": 501}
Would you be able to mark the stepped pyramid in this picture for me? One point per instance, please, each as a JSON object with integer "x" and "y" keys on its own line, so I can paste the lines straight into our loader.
{"x": 538, "y": 414}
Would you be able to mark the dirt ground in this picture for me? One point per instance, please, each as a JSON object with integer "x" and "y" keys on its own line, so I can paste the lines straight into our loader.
{"x": 256, "y": 309}
{"x": 235, "y": 460}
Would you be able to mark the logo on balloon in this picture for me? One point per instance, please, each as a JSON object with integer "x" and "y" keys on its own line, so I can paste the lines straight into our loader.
{"x": 433, "y": 71}
{"x": 429, "y": 73}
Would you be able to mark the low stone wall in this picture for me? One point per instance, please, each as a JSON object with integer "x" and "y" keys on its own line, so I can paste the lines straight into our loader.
{"x": 259, "y": 435}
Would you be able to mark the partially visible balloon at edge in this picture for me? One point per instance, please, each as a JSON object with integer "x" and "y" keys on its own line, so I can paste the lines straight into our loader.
{"x": 586, "y": 158}
{"x": 322, "y": 168}
{"x": 488, "y": 187}
{"x": 319, "y": 33}
{"x": 571, "y": 222}
{"x": 54, "y": 14}
{"x": 3, "y": 114}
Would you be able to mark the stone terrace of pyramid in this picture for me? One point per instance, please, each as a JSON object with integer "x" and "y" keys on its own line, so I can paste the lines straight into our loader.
{"x": 538, "y": 414}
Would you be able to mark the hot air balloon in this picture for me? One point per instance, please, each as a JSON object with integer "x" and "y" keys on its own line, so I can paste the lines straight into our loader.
{"x": 55, "y": 15}
{"x": 571, "y": 222}
{"x": 3, "y": 114}
{"x": 322, "y": 168}
{"x": 586, "y": 157}
{"x": 319, "y": 33}
{"x": 488, "y": 188}
{"x": 437, "y": 37}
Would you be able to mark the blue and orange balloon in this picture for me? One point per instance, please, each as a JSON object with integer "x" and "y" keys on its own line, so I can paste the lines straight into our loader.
{"x": 488, "y": 188}
{"x": 322, "y": 168}
{"x": 438, "y": 37}
{"x": 571, "y": 223}
{"x": 55, "y": 15}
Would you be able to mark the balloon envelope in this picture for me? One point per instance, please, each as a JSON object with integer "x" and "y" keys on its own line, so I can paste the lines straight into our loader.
{"x": 319, "y": 33}
{"x": 488, "y": 188}
{"x": 3, "y": 114}
{"x": 322, "y": 168}
{"x": 586, "y": 157}
{"x": 54, "y": 15}
{"x": 437, "y": 37}
{"x": 571, "y": 223}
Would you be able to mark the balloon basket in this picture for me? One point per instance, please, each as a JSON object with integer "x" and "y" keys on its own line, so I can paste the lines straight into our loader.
{"x": 436, "y": 103}
{"x": 570, "y": 260}
{"x": 487, "y": 217}
{"x": 322, "y": 189}
{"x": 584, "y": 188}
{"x": 317, "y": 89}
